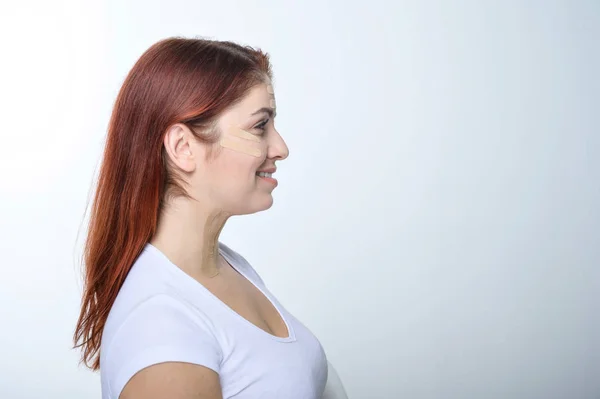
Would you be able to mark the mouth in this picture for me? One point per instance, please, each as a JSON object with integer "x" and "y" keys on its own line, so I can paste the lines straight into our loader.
{"x": 267, "y": 176}
{"x": 266, "y": 172}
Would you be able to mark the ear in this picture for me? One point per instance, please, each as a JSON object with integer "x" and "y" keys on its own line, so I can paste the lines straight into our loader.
{"x": 179, "y": 145}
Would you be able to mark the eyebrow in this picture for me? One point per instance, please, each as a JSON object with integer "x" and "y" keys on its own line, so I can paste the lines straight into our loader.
{"x": 270, "y": 111}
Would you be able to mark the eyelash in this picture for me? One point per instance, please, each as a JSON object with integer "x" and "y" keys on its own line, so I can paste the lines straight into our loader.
{"x": 262, "y": 125}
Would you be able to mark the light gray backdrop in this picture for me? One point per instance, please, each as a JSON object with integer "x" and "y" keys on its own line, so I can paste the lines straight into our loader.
{"x": 436, "y": 223}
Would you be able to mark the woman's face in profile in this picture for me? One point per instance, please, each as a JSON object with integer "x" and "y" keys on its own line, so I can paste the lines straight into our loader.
{"x": 249, "y": 144}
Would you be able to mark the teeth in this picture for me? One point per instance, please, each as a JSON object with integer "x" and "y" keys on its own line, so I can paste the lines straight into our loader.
{"x": 265, "y": 174}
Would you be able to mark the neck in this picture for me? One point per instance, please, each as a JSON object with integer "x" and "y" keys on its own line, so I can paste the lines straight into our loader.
{"x": 188, "y": 235}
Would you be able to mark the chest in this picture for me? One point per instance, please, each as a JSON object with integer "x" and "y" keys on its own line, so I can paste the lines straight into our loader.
{"x": 284, "y": 363}
{"x": 248, "y": 301}
{"x": 257, "y": 366}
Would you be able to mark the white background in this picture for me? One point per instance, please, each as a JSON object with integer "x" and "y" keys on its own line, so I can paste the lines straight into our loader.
{"x": 436, "y": 224}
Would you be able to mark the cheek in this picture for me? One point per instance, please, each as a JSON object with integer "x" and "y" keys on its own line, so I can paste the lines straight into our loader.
{"x": 237, "y": 169}
{"x": 244, "y": 162}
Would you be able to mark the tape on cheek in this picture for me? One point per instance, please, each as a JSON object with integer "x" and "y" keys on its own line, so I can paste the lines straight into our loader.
{"x": 240, "y": 146}
{"x": 242, "y": 134}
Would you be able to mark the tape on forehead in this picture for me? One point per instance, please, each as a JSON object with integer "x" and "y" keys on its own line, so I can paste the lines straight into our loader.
{"x": 272, "y": 103}
{"x": 270, "y": 89}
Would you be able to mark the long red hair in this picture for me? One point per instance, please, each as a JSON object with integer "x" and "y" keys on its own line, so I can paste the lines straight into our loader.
{"x": 177, "y": 80}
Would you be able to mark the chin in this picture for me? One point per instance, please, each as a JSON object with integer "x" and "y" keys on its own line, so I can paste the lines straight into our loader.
{"x": 265, "y": 204}
{"x": 257, "y": 205}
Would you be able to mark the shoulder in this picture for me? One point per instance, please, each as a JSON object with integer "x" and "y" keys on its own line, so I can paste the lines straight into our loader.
{"x": 159, "y": 329}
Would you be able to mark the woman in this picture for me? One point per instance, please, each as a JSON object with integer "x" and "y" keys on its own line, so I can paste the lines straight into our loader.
{"x": 168, "y": 310}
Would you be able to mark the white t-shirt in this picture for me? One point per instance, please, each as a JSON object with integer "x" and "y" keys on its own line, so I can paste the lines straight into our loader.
{"x": 162, "y": 314}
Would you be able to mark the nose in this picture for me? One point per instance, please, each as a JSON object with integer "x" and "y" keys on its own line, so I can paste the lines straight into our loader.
{"x": 277, "y": 147}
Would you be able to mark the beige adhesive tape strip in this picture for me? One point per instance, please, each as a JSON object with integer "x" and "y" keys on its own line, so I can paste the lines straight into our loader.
{"x": 270, "y": 89}
{"x": 240, "y": 146}
{"x": 242, "y": 134}
{"x": 272, "y": 104}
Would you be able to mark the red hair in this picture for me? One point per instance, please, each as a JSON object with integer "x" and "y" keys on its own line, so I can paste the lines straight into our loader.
{"x": 177, "y": 80}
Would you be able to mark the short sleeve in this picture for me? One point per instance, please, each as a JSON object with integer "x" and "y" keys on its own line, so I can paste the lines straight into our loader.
{"x": 160, "y": 329}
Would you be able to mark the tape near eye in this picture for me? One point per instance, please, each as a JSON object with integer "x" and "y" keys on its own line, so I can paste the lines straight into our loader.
{"x": 241, "y": 141}
{"x": 242, "y": 134}
{"x": 272, "y": 103}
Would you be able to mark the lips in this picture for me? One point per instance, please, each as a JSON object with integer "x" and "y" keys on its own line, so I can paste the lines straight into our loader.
{"x": 268, "y": 170}
{"x": 265, "y": 175}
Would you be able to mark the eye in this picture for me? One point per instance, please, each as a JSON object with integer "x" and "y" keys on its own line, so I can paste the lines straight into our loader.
{"x": 261, "y": 126}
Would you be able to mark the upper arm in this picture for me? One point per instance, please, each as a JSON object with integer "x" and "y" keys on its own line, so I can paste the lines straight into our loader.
{"x": 173, "y": 380}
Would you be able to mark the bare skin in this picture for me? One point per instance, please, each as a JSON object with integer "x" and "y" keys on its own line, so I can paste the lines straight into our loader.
{"x": 173, "y": 380}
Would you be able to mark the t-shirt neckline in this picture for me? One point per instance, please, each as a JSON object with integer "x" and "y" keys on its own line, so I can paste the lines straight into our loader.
{"x": 196, "y": 285}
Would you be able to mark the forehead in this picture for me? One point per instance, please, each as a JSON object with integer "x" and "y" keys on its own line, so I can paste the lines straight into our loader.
{"x": 256, "y": 98}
